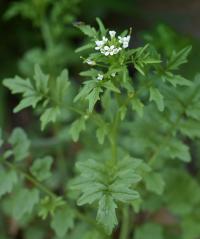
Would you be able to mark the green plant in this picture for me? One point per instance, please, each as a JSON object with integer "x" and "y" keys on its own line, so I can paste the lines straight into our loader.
{"x": 135, "y": 119}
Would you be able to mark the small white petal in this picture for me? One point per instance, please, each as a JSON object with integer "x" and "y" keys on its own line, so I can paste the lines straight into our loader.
{"x": 105, "y": 39}
{"x": 112, "y": 33}
{"x": 90, "y": 62}
{"x": 100, "y": 77}
{"x": 125, "y": 45}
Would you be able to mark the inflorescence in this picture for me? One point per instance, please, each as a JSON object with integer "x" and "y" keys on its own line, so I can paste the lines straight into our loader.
{"x": 113, "y": 45}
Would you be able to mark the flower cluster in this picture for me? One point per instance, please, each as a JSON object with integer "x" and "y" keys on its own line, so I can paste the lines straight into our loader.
{"x": 113, "y": 45}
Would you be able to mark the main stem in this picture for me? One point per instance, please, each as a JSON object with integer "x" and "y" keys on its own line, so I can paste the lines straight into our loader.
{"x": 113, "y": 138}
{"x": 124, "y": 233}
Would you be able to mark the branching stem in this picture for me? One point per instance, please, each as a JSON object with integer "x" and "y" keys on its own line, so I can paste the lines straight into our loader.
{"x": 45, "y": 190}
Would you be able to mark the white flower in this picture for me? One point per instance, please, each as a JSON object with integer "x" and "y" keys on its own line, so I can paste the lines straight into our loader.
{"x": 124, "y": 41}
{"x": 113, "y": 74}
{"x": 100, "y": 77}
{"x": 104, "y": 40}
{"x": 112, "y": 33}
{"x": 90, "y": 62}
{"x": 100, "y": 44}
{"x": 106, "y": 50}
{"x": 116, "y": 50}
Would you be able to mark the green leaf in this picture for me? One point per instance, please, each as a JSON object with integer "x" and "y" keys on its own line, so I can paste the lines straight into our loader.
{"x": 91, "y": 73}
{"x": 30, "y": 96}
{"x": 41, "y": 80}
{"x": 177, "y": 80}
{"x": 62, "y": 84}
{"x": 189, "y": 128}
{"x": 52, "y": 102}
{"x": 48, "y": 205}
{"x": 143, "y": 56}
{"x": 139, "y": 68}
{"x": 122, "y": 194}
{"x": 110, "y": 86}
{"x": 50, "y": 115}
{"x": 20, "y": 144}
{"x": 41, "y": 168}
{"x": 178, "y": 58}
{"x": 137, "y": 105}
{"x": 88, "y": 86}
{"x": 77, "y": 127}
{"x": 156, "y": 96}
{"x": 85, "y": 47}
{"x": 24, "y": 202}
{"x": 106, "y": 214}
{"x": 193, "y": 110}
{"x": 18, "y": 85}
{"x": 101, "y": 27}
{"x": 107, "y": 184}
{"x": 122, "y": 112}
{"x": 26, "y": 102}
{"x": 7, "y": 180}
{"x": 101, "y": 132}
{"x": 62, "y": 220}
{"x": 154, "y": 182}
{"x": 177, "y": 149}
{"x": 93, "y": 97}
{"x": 87, "y": 30}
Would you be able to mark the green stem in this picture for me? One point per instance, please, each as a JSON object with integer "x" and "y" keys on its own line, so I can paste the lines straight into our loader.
{"x": 113, "y": 137}
{"x": 46, "y": 34}
{"x": 31, "y": 179}
{"x": 125, "y": 227}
